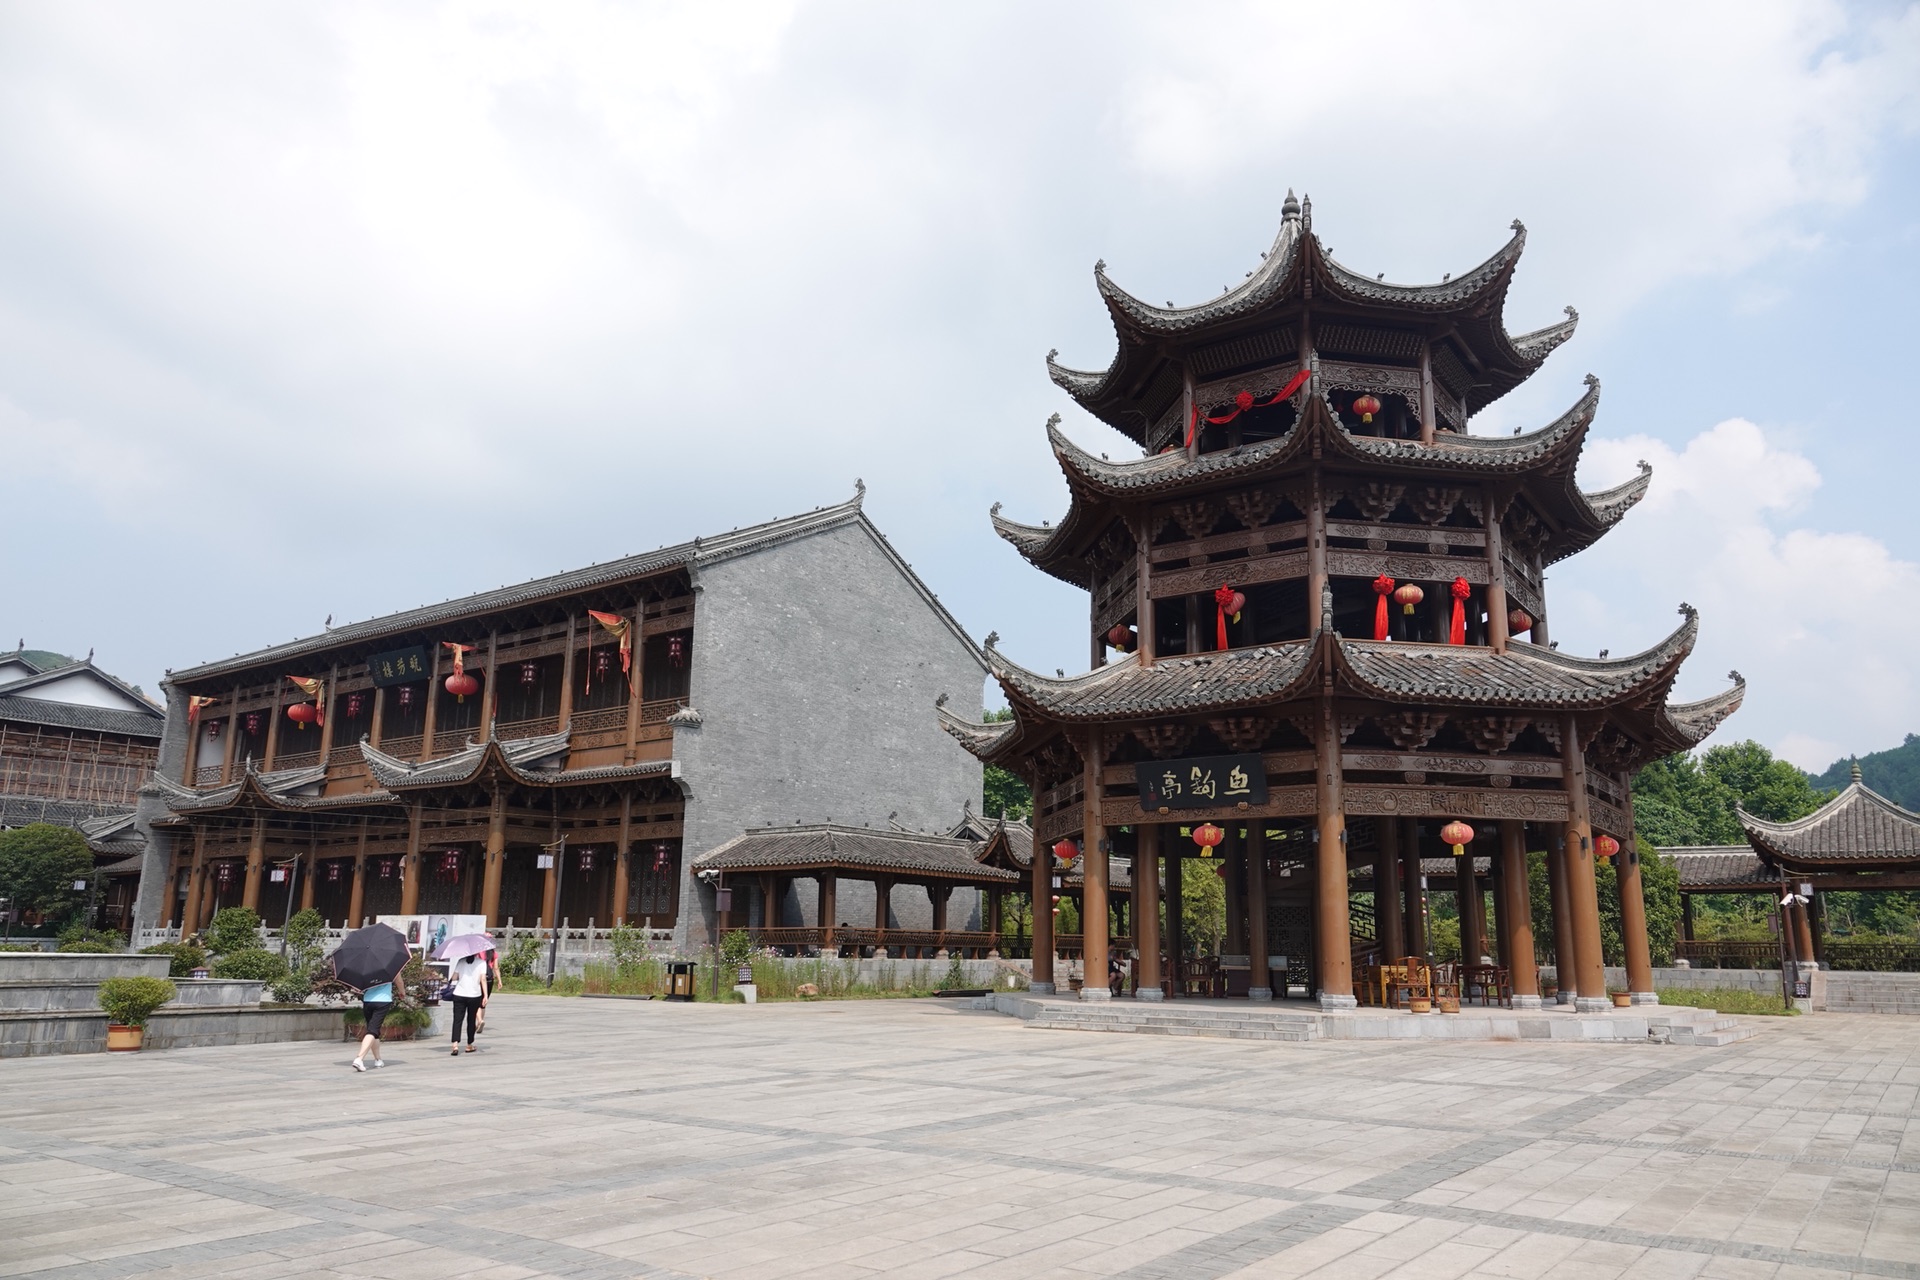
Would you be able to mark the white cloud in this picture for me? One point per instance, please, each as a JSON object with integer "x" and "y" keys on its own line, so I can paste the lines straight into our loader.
{"x": 1813, "y": 619}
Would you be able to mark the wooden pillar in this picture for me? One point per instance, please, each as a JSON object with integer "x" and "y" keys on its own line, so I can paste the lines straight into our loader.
{"x": 410, "y": 865}
{"x": 938, "y": 896}
{"x": 233, "y": 737}
{"x": 1233, "y": 859}
{"x": 1564, "y": 961}
{"x": 1041, "y": 879}
{"x": 1633, "y": 922}
{"x": 1389, "y": 912}
{"x": 1317, "y": 549}
{"x": 275, "y": 711}
{"x": 1259, "y": 977}
{"x": 882, "y": 900}
{"x": 1143, "y": 619}
{"x": 312, "y": 874}
{"x": 1802, "y": 932}
{"x": 469, "y": 874}
{"x": 1496, "y": 578}
{"x": 489, "y": 701}
{"x": 1817, "y": 918}
{"x": 256, "y": 863}
{"x": 496, "y": 858}
{"x": 379, "y": 717}
{"x": 566, "y": 675}
{"x": 326, "y": 703}
{"x": 996, "y": 916}
{"x": 357, "y": 896}
{"x": 636, "y": 689}
{"x": 1516, "y": 916}
{"x": 1333, "y": 941}
{"x": 550, "y": 886}
{"x": 1429, "y": 417}
{"x": 827, "y": 908}
{"x": 1412, "y": 882}
{"x": 1582, "y": 893}
{"x": 1175, "y": 927}
{"x": 1146, "y": 911}
{"x": 1466, "y": 896}
{"x": 430, "y": 727}
{"x": 196, "y": 882}
{"x": 623, "y": 862}
{"x": 1094, "y": 923}
{"x": 1686, "y": 917}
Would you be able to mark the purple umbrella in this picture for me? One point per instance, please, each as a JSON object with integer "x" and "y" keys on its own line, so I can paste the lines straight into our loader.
{"x": 467, "y": 944}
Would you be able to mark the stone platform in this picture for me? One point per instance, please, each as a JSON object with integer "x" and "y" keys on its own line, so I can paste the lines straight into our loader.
{"x": 1298, "y": 1021}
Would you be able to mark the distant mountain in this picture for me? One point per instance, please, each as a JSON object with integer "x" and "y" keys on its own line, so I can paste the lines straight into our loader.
{"x": 1895, "y": 773}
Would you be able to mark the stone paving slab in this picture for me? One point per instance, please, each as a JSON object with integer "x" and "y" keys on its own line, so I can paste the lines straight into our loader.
{"x": 918, "y": 1139}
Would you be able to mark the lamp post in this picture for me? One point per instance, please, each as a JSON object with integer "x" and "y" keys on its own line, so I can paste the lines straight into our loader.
{"x": 559, "y": 886}
{"x": 287, "y": 869}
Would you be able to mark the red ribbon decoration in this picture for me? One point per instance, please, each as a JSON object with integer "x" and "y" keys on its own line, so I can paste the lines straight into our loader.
{"x": 1457, "y": 633}
{"x": 1245, "y": 401}
{"x": 1226, "y": 601}
{"x": 1382, "y": 588}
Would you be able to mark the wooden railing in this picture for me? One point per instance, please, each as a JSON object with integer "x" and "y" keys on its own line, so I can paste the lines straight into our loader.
{"x": 1873, "y": 957}
{"x": 909, "y": 944}
{"x": 296, "y": 760}
{"x": 597, "y": 720}
{"x": 1729, "y": 955}
{"x": 403, "y": 748}
{"x": 208, "y": 775}
{"x": 509, "y": 730}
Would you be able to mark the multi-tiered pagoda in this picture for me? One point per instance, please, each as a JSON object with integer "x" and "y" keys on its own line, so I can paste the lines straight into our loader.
{"x": 1329, "y": 606}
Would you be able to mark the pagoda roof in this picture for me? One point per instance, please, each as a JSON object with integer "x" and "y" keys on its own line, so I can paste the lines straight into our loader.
{"x": 1857, "y": 828}
{"x": 1524, "y": 678}
{"x": 1719, "y": 868}
{"x": 1467, "y": 309}
{"x": 538, "y": 761}
{"x": 858, "y": 850}
{"x": 1541, "y": 464}
{"x": 289, "y": 790}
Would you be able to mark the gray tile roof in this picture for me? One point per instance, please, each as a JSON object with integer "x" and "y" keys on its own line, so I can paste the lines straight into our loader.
{"x": 74, "y": 715}
{"x": 1126, "y": 690}
{"x": 853, "y": 849}
{"x": 537, "y": 761}
{"x": 1705, "y": 868}
{"x": 21, "y": 811}
{"x": 1856, "y": 826}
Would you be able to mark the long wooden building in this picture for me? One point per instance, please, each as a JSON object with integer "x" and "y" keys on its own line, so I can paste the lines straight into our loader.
{"x": 1329, "y": 606}
{"x": 613, "y": 721}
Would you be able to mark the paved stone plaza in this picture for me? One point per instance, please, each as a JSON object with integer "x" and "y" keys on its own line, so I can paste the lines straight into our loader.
{"x": 606, "y": 1138}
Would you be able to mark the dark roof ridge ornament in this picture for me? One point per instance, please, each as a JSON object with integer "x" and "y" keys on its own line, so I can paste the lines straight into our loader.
{"x": 1855, "y": 770}
{"x": 992, "y": 641}
{"x": 1289, "y": 208}
{"x": 1326, "y": 606}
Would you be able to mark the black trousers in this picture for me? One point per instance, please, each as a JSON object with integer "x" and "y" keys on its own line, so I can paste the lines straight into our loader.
{"x": 465, "y": 1009}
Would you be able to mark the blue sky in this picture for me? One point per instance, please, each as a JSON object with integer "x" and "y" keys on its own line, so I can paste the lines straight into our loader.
{"x": 342, "y": 310}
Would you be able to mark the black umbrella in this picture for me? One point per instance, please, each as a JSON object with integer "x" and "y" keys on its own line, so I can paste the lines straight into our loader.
{"x": 370, "y": 956}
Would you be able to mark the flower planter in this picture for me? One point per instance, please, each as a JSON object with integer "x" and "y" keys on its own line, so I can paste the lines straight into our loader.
{"x": 1419, "y": 1004}
{"x": 1449, "y": 1004}
{"x": 1621, "y": 1000}
{"x": 124, "y": 1039}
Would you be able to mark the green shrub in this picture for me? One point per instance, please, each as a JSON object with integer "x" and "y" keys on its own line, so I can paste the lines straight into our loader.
{"x": 234, "y": 929}
{"x": 104, "y": 939}
{"x": 1738, "y": 1000}
{"x": 254, "y": 963}
{"x": 735, "y": 948}
{"x": 129, "y": 1002}
{"x": 20, "y": 946}
{"x": 185, "y": 957}
{"x": 629, "y": 945}
{"x": 292, "y": 988}
{"x": 306, "y": 935}
{"x": 87, "y": 946}
{"x": 521, "y": 957}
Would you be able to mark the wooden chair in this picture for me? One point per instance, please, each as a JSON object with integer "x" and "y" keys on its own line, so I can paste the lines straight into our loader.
{"x": 1488, "y": 984}
{"x": 1409, "y": 980}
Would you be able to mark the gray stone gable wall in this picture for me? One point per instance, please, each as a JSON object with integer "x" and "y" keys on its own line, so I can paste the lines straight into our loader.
{"x": 156, "y": 867}
{"x": 816, "y": 663}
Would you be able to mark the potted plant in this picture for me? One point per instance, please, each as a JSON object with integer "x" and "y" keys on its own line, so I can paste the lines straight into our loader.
{"x": 1419, "y": 1004}
{"x": 129, "y": 1002}
{"x": 1621, "y": 1000}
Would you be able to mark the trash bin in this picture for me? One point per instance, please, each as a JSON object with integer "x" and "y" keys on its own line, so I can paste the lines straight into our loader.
{"x": 680, "y": 980}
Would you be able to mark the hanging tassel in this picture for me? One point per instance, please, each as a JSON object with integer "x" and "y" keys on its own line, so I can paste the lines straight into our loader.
{"x": 1382, "y": 588}
{"x": 1457, "y": 634}
{"x": 1225, "y": 600}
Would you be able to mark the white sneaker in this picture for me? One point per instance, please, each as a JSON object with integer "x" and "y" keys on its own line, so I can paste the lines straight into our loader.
{"x": 379, "y": 1062}
{"x": 359, "y": 1065}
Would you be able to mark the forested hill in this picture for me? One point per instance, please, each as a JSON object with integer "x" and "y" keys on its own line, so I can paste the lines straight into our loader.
{"x": 1895, "y": 773}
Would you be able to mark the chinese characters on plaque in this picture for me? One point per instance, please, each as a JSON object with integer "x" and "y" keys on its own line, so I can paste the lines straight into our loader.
{"x": 401, "y": 666}
{"x": 1208, "y": 782}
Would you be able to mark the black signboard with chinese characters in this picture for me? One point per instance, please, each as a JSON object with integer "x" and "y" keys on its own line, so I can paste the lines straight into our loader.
{"x": 1207, "y": 782}
{"x": 402, "y": 666}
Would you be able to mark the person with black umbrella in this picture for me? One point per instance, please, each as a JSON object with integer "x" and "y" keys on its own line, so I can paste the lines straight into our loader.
{"x": 369, "y": 960}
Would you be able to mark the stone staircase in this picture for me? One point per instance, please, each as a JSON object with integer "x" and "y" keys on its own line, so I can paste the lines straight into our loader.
{"x": 49, "y": 1004}
{"x": 1699, "y": 1026}
{"x": 1872, "y": 992}
{"x": 1176, "y": 1018}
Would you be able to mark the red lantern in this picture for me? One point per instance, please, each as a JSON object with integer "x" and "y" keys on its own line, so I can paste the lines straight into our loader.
{"x": 1382, "y": 588}
{"x": 1457, "y": 633}
{"x": 1519, "y": 622}
{"x": 386, "y": 868}
{"x": 677, "y": 650}
{"x": 1409, "y": 595}
{"x": 659, "y": 857}
{"x": 213, "y": 728}
{"x": 1366, "y": 407}
{"x": 253, "y": 722}
{"x": 529, "y": 673}
{"x": 355, "y": 704}
{"x": 1208, "y": 837}
{"x": 225, "y": 874}
{"x": 303, "y": 714}
{"x": 1120, "y": 636}
{"x": 602, "y": 663}
{"x": 333, "y": 870}
{"x": 1066, "y": 851}
{"x": 406, "y": 695}
{"x": 586, "y": 859}
{"x": 450, "y": 866}
{"x": 1604, "y": 847}
{"x": 1459, "y": 835}
{"x": 460, "y": 685}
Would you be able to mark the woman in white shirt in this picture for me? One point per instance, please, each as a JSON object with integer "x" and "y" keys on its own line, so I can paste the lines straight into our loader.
{"x": 469, "y": 995}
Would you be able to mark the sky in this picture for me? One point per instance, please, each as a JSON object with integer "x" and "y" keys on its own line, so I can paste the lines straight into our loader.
{"x": 312, "y": 311}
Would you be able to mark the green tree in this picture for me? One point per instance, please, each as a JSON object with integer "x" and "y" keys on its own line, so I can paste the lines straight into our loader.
{"x": 1003, "y": 794}
{"x": 1203, "y": 904}
{"x": 233, "y": 929}
{"x": 38, "y": 866}
{"x": 1688, "y": 799}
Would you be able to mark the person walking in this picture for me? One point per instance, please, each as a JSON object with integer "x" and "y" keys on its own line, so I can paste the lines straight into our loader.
{"x": 375, "y": 1001}
{"x": 469, "y": 977}
{"x": 493, "y": 984}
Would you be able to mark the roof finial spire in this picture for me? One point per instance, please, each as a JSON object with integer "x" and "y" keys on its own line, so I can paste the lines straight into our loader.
{"x": 1290, "y": 209}
{"x": 1856, "y": 771}
{"x": 1326, "y": 607}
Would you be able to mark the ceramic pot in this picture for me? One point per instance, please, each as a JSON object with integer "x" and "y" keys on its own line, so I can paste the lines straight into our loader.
{"x": 124, "y": 1039}
{"x": 1419, "y": 1004}
{"x": 1621, "y": 1000}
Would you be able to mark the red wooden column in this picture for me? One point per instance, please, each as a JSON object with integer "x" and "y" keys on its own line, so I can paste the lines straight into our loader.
{"x": 1411, "y": 879}
{"x": 1583, "y": 895}
{"x": 256, "y": 862}
{"x": 1516, "y": 916}
{"x": 1176, "y": 925}
{"x": 196, "y": 885}
{"x": 496, "y": 859}
{"x": 1633, "y": 923}
{"x": 1390, "y": 916}
{"x": 312, "y": 876}
{"x": 410, "y": 865}
{"x": 827, "y": 909}
{"x": 1333, "y": 940}
{"x": 1259, "y": 978}
{"x": 357, "y": 897}
{"x": 1467, "y": 899}
{"x": 1042, "y": 882}
{"x": 1564, "y": 962}
{"x": 1146, "y": 911}
{"x": 623, "y": 862}
{"x": 1095, "y": 925}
